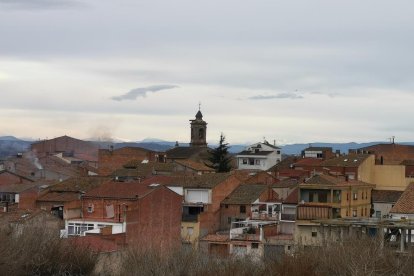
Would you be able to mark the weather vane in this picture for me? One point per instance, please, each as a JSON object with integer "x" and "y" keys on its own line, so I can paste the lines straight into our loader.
{"x": 199, "y": 106}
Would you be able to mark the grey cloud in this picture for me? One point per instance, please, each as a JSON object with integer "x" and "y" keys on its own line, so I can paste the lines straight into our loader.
{"x": 286, "y": 95}
{"x": 39, "y": 4}
{"x": 142, "y": 92}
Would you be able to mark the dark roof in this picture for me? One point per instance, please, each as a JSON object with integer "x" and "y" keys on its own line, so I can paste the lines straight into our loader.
{"x": 405, "y": 204}
{"x": 350, "y": 160}
{"x": 385, "y": 196}
{"x": 245, "y": 194}
{"x": 199, "y": 115}
{"x": 207, "y": 181}
{"x": 78, "y": 184}
{"x": 248, "y": 152}
{"x": 187, "y": 152}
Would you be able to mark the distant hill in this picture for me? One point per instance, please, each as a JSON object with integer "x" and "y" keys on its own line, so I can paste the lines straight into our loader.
{"x": 10, "y": 145}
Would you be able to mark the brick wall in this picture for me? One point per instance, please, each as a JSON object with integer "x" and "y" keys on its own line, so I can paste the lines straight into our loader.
{"x": 7, "y": 178}
{"x": 64, "y": 144}
{"x": 157, "y": 222}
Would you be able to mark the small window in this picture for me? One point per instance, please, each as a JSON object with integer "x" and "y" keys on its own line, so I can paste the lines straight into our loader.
{"x": 242, "y": 209}
{"x": 355, "y": 195}
{"x": 354, "y": 213}
{"x": 278, "y": 152}
{"x": 251, "y": 161}
{"x": 314, "y": 233}
{"x": 378, "y": 214}
{"x": 90, "y": 208}
{"x": 226, "y": 206}
{"x": 244, "y": 161}
{"x": 255, "y": 245}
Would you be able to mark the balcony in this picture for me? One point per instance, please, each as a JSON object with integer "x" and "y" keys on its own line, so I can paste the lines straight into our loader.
{"x": 288, "y": 217}
{"x": 265, "y": 216}
{"x": 245, "y": 234}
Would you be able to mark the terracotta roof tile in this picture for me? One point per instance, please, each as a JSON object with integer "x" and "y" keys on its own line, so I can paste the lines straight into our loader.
{"x": 245, "y": 194}
{"x": 216, "y": 238}
{"x": 350, "y": 160}
{"x": 197, "y": 166}
{"x": 131, "y": 190}
{"x": 385, "y": 196}
{"x": 78, "y": 184}
{"x": 405, "y": 204}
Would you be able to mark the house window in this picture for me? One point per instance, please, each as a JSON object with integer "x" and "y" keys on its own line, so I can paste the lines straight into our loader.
{"x": 251, "y": 161}
{"x": 90, "y": 208}
{"x": 255, "y": 245}
{"x": 257, "y": 161}
{"x": 226, "y": 206}
{"x": 278, "y": 152}
{"x": 314, "y": 232}
{"x": 378, "y": 214}
{"x": 354, "y": 213}
{"x": 355, "y": 195}
{"x": 242, "y": 209}
{"x": 244, "y": 161}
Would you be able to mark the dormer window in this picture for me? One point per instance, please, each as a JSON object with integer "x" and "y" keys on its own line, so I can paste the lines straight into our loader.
{"x": 256, "y": 150}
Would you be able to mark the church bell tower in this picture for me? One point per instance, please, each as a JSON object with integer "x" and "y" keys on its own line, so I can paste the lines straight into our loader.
{"x": 198, "y": 131}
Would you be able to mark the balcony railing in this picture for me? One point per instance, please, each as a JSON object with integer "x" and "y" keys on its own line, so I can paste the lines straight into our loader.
{"x": 265, "y": 216}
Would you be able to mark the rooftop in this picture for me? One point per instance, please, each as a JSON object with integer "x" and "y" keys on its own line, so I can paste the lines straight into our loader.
{"x": 350, "y": 160}
{"x": 245, "y": 194}
{"x": 383, "y": 196}
{"x": 405, "y": 204}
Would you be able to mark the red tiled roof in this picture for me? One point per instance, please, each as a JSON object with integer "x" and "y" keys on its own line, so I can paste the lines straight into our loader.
{"x": 327, "y": 180}
{"x": 385, "y": 196}
{"x": 113, "y": 189}
{"x": 308, "y": 162}
{"x": 197, "y": 166}
{"x": 405, "y": 204}
{"x": 216, "y": 238}
{"x": 293, "y": 197}
{"x": 59, "y": 197}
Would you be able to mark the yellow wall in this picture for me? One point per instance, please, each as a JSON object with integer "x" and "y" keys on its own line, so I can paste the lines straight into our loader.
{"x": 389, "y": 177}
{"x": 184, "y": 231}
{"x": 385, "y": 177}
{"x": 366, "y": 170}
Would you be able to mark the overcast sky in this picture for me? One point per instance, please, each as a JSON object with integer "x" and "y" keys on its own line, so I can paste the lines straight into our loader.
{"x": 290, "y": 71}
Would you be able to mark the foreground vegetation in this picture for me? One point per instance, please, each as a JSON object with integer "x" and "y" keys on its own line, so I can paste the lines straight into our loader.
{"x": 35, "y": 251}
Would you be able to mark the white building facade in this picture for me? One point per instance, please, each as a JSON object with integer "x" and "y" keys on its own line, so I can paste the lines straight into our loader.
{"x": 259, "y": 156}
